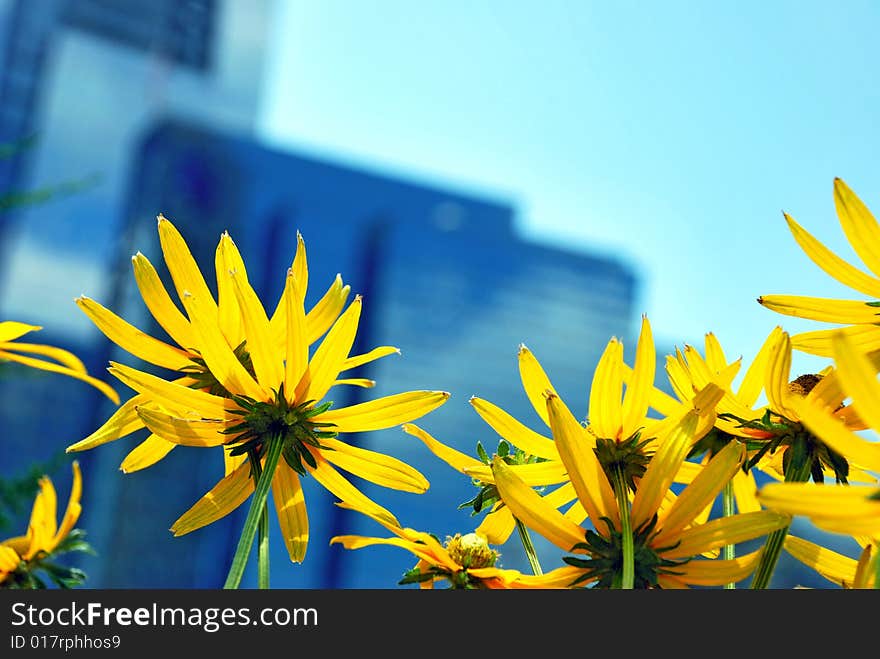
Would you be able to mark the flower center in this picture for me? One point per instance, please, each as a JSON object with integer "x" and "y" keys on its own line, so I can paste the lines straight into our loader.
{"x": 204, "y": 379}
{"x": 279, "y": 421}
{"x": 803, "y": 384}
{"x": 470, "y": 550}
{"x": 627, "y": 457}
{"x": 604, "y": 565}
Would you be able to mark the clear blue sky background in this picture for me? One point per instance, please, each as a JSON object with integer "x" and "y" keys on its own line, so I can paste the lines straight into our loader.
{"x": 672, "y": 134}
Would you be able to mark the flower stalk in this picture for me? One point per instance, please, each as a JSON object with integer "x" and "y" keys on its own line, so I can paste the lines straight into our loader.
{"x": 797, "y": 470}
{"x": 728, "y": 551}
{"x": 257, "y": 510}
{"x": 621, "y": 492}
{"x": 529, "y": 548}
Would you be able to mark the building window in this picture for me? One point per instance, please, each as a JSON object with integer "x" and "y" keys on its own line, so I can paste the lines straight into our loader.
{"x": 179, "y": 30}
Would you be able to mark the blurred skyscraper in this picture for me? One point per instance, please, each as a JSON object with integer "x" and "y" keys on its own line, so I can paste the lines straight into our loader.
{"x": 80, "y": 83}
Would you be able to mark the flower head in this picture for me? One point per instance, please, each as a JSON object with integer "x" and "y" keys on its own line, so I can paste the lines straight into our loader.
{"x": 666, "y": 542}
{"x": 619, "y": 427}
{"x": 270, "y": 413}
{"x": 463, "y": 561}
{"x": 22, "y": 558}
{"x": 183, "y": 356}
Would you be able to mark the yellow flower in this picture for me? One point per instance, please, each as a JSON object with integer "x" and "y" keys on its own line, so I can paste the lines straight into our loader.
{"x": 859, "y": 316}
{"x": 780, "y": 436}
{"x": 667, "y": 543}
{"x": 185, "y": 358}
{"x": 64, "y": 362}
{"x": 846, "y": 572}
{"x": 23, "y": 556}
{"x": 464, "y": 561}
{"x": 620, "y": 421}
{"x": 274, "y": 409}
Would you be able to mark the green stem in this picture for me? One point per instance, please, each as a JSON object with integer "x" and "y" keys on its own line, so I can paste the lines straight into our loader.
{"x": 262, "y": 531}
{"x": 258, "y": 503}
{"x": 728, "y": 551}
{"x": 621, "y": 493}
{"x": 796, "y": 473}
{"x": 531, "y": 554}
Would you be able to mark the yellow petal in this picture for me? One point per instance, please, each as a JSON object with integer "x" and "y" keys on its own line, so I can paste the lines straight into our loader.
{"x": 74, "y": 509}
{"x": 375, "y": 467}
{"x": 383, "y": 412}
{"x": 825, "y": 309}
{"x": 715, "y": 353}
{"x": 52, "y": 367}
{"x": 513, "y": 431}
{"x": 865, "y": 337}
{"x": 497, "y": 525}
{"x": 837, "y": 437}
{"x": 331, "y": 354}
{"x": 812, "y": 500}
{"x": 228, "y": 263}
{"x": 9, "y": 560}
{"x": 858, "y": 377}
{"x": 122, "y": 422}
{"x": 674, "y": 445}
{"x": 300, "y": 265}
{"x": 173, "y": 395}
{"x": 561, "y": 577}
{"x": 186, "y": 432}
{"x": 858, "y": 224}
{"x": 356, "y": 382}
{"x": 133, "y": 340}
{"x": 290, "y": 505}
{"x": 373, "y": 355}
{"x": 535, "y": 381}
{"x": 701, "y": 492}
{"x": 320, "y": 317}
{"x": 227, "y": 495}
{"x": 359, "y": 542}
{"x": 528, "y": 506}
{"x": 536, "y": 474}
{"x": 638, "y": 389}
{"x": 296, "y": 347}
{"x": 832, "y": 264}
{"x": 753, "y": 380}
{"x": 778, "y": 376}
{"x": 160, "y": 303}
{"x": 184, "y": 271}
{"x": 146, "y": 454}
{"x": 455, "y": 459}
{"x": 606, "y": 391}
{"x": 577, "y": 450}
{"x": 716, "y": 572}
{"x": 726, "y": 531}
{"x": 63, "y": 357}
{"x": 43, "y": 522}
{"x": 837, "y": 568}
{"x": 216, "y": 352}
{"x": 11, "y": 330}
{"x": 745, "y": 492}
{"x": 340, "y": 487}
{"x": 267, "y": 362}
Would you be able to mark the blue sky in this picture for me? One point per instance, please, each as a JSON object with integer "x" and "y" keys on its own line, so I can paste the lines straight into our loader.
{"x": 672, "y": 134}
